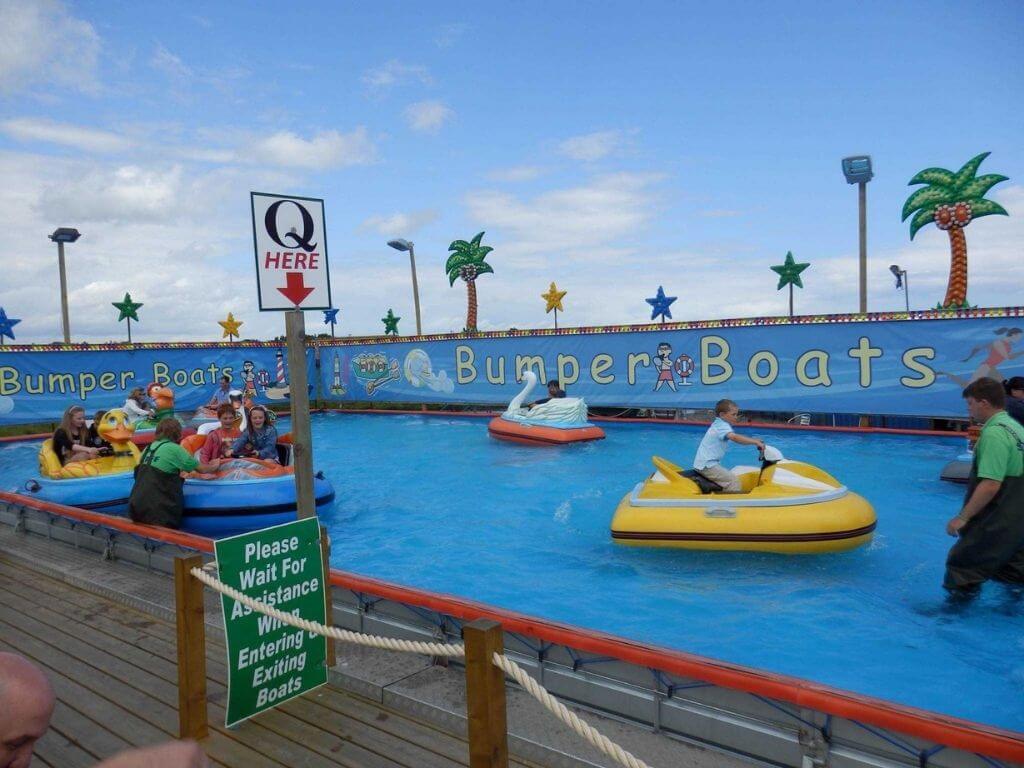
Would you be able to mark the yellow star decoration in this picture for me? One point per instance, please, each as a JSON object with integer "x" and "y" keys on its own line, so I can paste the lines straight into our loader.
{"x": 230, "y": 326}
{"x": 554, "y": 298}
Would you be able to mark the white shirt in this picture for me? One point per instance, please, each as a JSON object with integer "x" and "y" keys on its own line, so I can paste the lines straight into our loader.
{"x": 712, "y": 448}
{"x": 134, "y": 411}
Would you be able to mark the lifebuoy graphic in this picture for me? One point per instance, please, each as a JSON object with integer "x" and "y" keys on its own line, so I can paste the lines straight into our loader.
{"x": 684, "y": 367}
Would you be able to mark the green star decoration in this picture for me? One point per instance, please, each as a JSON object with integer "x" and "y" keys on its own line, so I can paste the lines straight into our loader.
{"x": 127, "y": 308}
{"x": 390, "y": 323}
{"x": 789, "y": 272}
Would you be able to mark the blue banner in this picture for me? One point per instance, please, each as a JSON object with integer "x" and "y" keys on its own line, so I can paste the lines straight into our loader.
{"x": 38, "y": 385}
{"x": 887, "y": 365}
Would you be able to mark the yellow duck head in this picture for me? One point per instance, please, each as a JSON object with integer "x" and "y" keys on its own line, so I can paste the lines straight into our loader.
{"x": 115, "y": 428}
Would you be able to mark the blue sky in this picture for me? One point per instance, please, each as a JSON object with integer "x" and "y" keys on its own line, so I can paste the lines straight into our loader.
{"x": 610, "y": 147}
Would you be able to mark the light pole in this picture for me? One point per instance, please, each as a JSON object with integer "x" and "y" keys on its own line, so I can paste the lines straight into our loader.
{"x": 404, "y": 245}
{"x": 857, "y": 170}
{"x": 60, "y": 236}
{"x": 902, "y": 281}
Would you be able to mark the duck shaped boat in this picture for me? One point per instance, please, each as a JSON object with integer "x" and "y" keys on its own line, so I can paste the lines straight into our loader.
{"x": 786, "y": 506}
{"x": 559, "y": 421}
{"x": 103, "y": 483}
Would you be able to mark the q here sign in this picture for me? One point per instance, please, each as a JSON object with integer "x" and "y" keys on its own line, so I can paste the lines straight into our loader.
{"x": 290, "y": 242}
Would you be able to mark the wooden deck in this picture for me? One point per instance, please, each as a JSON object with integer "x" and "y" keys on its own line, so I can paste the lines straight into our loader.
{"x": 115, "y": 673}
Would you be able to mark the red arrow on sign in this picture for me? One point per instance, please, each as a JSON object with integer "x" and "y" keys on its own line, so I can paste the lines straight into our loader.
{"x": 295, "y": 290}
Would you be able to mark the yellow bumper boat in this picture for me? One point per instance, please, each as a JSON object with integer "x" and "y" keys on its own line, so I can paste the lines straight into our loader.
{"x": 785, "y": 506}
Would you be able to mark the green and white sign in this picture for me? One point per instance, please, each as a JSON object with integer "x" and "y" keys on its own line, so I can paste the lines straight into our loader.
{"x": 270, "y": 662}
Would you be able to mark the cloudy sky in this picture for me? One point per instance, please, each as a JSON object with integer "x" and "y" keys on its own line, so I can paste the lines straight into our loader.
{"x": 610, "y": 146}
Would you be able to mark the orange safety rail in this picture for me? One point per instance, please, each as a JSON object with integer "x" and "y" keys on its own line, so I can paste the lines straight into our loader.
{"x": 930, "y": 726}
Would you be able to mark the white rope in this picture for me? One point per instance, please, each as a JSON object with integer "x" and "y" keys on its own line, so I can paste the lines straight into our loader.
{"x": 373, "y": 641}
{"x": 513, "y": 670}
{"x": 559, "y": 710}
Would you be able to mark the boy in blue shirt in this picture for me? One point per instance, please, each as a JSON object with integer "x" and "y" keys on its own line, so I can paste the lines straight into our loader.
{"x": 711, "y": 450}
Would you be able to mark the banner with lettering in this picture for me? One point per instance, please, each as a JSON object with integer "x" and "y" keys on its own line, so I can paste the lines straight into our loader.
{"x": 893, "y": 364}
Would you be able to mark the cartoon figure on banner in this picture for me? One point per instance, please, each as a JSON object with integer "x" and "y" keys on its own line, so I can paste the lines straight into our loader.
{"x": 419, "y": 373}
{"x": 337, "y": 387}
{"x": 999, "y": 352}
{"x": 684, "y": 367}
{"x": 375, "y": 371}
{"x": 248, "y": 376}
{"x": 663, "y": 364}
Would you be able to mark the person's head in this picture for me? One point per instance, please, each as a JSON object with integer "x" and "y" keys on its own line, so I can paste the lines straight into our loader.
{"x": 138, "y": 395}
{"x": 98, "y": 416}
{"x": 1015, "y": 387}
{"x": 984, "y": 397}
{"x": 26, "y": 704}
{"x": 73, "y": 419}
{"x": 728, "y": 410}
{"x": 226, "y": 415}
{"x": 225, "y": 382}
{"x": 664, "y": 349}
{"x": 553, "y": 388}
{"x": 168, "y": 429}
{"x": 257, "y": 417}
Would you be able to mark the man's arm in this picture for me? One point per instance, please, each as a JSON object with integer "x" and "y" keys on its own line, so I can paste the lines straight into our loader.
{"x": 984, "y": 492}
{"x": 745, "y": 440}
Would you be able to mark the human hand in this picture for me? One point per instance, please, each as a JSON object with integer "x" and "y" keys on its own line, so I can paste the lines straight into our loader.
{"x": 954, "y": 525}
{"x": 172, "y": 754}
{"x": 760, "y": 445}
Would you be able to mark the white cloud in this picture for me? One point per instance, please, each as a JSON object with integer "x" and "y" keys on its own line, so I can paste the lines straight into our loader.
{"x": 395, "y": 73}
{"x": 42, "y": 43}
{"x": 120, "y": 194}
{"x": 449, "y": 34}
{"x": 568, "y": 221}
{"x": 428, "y": 116}
{"x": 326, "y": 149}
{"x": 170, "y": 64}
{"x": 77, "y": 136}
{"x": 592, "y": 146}
{"x": 399, "y": 224}
{"x": 516, "y": 173}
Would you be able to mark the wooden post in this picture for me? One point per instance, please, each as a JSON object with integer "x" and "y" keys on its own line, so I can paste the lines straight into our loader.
{"x": 325, "y": 551}
{"x": 298, "y": 393}
{"x": 485, "y": 695}
{"x": 188, "y": 598}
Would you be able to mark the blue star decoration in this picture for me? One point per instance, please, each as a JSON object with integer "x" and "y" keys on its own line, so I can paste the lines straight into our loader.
{"x": 330, "y": 316}
{"x": 660, "y": 304}
{"x": 6, "y": 325}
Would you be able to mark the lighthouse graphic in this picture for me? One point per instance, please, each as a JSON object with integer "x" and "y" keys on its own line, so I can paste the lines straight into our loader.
{"x": 337, "y": 388}
{"x": 280, "y": 389}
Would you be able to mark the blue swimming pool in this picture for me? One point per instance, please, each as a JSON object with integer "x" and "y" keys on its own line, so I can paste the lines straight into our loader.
{"x": 433, "y": 502}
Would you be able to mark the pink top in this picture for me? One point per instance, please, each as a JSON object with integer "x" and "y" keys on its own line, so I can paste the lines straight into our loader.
{"x": 217, "y": 444}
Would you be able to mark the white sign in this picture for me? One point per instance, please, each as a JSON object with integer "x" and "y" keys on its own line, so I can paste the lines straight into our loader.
{"x": 290, "y": 240}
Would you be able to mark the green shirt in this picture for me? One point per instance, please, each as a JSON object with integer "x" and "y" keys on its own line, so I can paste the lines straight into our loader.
{"x": 997, "y": 451}
{"x": 171, "y": 458}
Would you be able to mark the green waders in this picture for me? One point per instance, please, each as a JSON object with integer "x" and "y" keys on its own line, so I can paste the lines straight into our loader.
{"x": 157, "y": 498}
{"x": 991, "y": 544}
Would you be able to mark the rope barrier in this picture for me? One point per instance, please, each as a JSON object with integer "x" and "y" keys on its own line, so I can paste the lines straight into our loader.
{"x": 598, "y": 740}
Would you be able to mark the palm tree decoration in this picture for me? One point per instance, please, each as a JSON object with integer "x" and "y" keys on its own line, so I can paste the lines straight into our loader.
{"x": 467, "y": 261}
{"x": 952, "y": 201}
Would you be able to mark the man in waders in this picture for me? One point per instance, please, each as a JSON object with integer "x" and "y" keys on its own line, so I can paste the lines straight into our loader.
{"x": 158, "y": 496}
{"x": 991, "y": 523}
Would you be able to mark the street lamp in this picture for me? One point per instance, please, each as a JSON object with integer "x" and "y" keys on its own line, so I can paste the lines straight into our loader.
{"x": 404, "y": 245}
{"x": 60, "y": 236}
{"x": 902, "y": 281}
{"x": 857, "y": 170}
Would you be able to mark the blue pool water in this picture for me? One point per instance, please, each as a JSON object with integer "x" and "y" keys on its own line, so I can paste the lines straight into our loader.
{"x": 433, "y": 502}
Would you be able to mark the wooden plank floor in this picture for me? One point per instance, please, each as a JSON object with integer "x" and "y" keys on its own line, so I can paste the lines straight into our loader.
{"x": 115, "y": 673}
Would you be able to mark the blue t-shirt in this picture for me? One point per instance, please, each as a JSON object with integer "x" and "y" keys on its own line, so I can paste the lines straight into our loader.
{"x": 221, "y": 396}
{"x": 712, "y": 448}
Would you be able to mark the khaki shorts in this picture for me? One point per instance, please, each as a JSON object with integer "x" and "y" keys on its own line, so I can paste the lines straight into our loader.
{"x": 729, "y": 482}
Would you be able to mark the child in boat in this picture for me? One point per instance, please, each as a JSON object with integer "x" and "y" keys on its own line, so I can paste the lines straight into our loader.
{"x": 260, "y": 437}
{"x": 712, "y": 448}
{"x": 71, "y": 438}
{"x": 95, "y": 439}
{"x": 219, "y": 441}
{"x": 136, "y": 406}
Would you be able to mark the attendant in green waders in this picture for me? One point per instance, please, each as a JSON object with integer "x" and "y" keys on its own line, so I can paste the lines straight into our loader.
{"x": 158, "y": 496}
{"x": 990, "y": 526}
